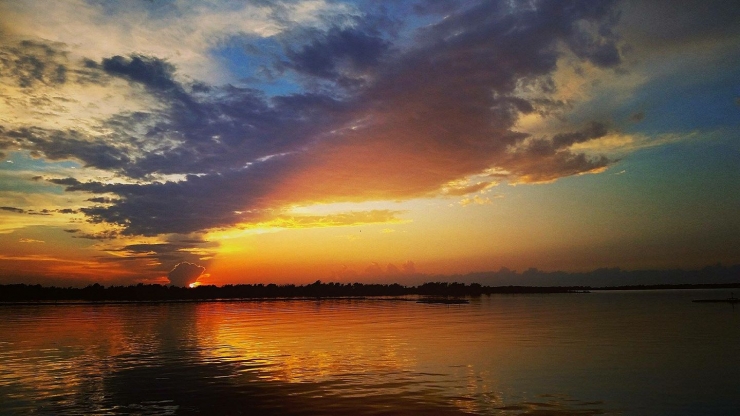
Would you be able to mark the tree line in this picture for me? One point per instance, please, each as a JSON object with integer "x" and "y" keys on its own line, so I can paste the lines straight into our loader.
{"x": 318, "y": 289}
{"x": 155, "y": 292}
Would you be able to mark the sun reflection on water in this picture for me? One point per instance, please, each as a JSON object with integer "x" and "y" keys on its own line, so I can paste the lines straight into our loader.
{"x": 492, "y": 356}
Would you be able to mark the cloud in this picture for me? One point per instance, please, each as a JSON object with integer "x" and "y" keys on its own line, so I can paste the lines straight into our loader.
{"x": 342, "y": 55}
{"x": 372, "y": 115}
{"x": 440, "y": 7}
{"x": 595, "y": 130}
{"x": 475, "y": 199}
{"x": 556, "y": 165}
{"x": 102, "y": 235}
{"x": 30, "y": 240}
{"x": 185, "y": 32}
{"x": 414, "y": 120}
{"x": 14, "y": 210}
{"x": 184, "y": 274}
{"x": 152, "y": 72}
{"x": 456, "y": 189}
{"x": 447, "y": 108}
{"x": 35, "y": 212}
{"x": 334, "y": 220}
{"x": 163, "y": 255}
{"x": 68, "y": 144}
{"x": 30, "y": 63}
{"x": 198, "y": 203}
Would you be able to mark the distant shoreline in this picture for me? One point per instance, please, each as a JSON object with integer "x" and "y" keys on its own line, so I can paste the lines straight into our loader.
{"x": 22, "y": 294}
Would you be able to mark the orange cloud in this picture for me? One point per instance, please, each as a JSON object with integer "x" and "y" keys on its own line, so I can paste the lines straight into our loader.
{"x": 333, "y": 220}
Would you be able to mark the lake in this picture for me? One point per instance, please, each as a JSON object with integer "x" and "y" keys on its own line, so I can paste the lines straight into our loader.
{"x": 605, "y": 352}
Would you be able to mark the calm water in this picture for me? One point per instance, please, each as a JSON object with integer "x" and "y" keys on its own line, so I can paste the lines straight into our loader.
{"x": 632, "y": 353}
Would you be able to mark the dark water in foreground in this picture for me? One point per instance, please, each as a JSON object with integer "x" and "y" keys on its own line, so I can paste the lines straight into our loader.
{"x": 632, "y": 353}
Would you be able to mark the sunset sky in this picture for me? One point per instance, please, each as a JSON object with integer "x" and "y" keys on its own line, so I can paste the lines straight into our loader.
{"x": 289, "y": 141}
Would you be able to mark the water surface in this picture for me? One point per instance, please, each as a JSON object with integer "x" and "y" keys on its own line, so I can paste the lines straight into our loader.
{"x": 632, "y": 353}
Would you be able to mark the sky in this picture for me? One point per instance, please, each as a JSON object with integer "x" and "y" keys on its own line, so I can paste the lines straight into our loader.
{"x": 285, "y": 141}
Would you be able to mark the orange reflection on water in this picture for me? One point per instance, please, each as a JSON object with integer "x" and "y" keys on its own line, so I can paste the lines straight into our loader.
{"x": 302, "y": 341}
{"x": 51, "y": 350}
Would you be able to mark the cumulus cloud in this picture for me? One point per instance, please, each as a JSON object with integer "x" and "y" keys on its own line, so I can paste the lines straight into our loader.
{"x": 184, "y": 274}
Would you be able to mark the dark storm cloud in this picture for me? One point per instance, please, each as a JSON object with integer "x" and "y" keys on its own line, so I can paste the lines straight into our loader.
{"x": 414, "y": 120}
{"x": 441, "y": 7}
{"x": 152, "y": 72}
{"x": 68, "y": 144}
{"x": 209, "y": 130}
{"x": 101, "y": 200}
{"x": 450, "y": 80}
{"x": 341, "y": 55}
{"x": 225, "y": 134}
{"x": 197, "y": 203}
{"x": 157, "y": 76}
{"x": 447, "y": 108}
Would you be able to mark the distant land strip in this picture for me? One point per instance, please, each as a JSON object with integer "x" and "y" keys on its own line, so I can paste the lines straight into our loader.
{"x": 22, "y": 293}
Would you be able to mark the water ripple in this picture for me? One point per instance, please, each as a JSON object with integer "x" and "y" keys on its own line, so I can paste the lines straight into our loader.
{"x": 529, "y": 355}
